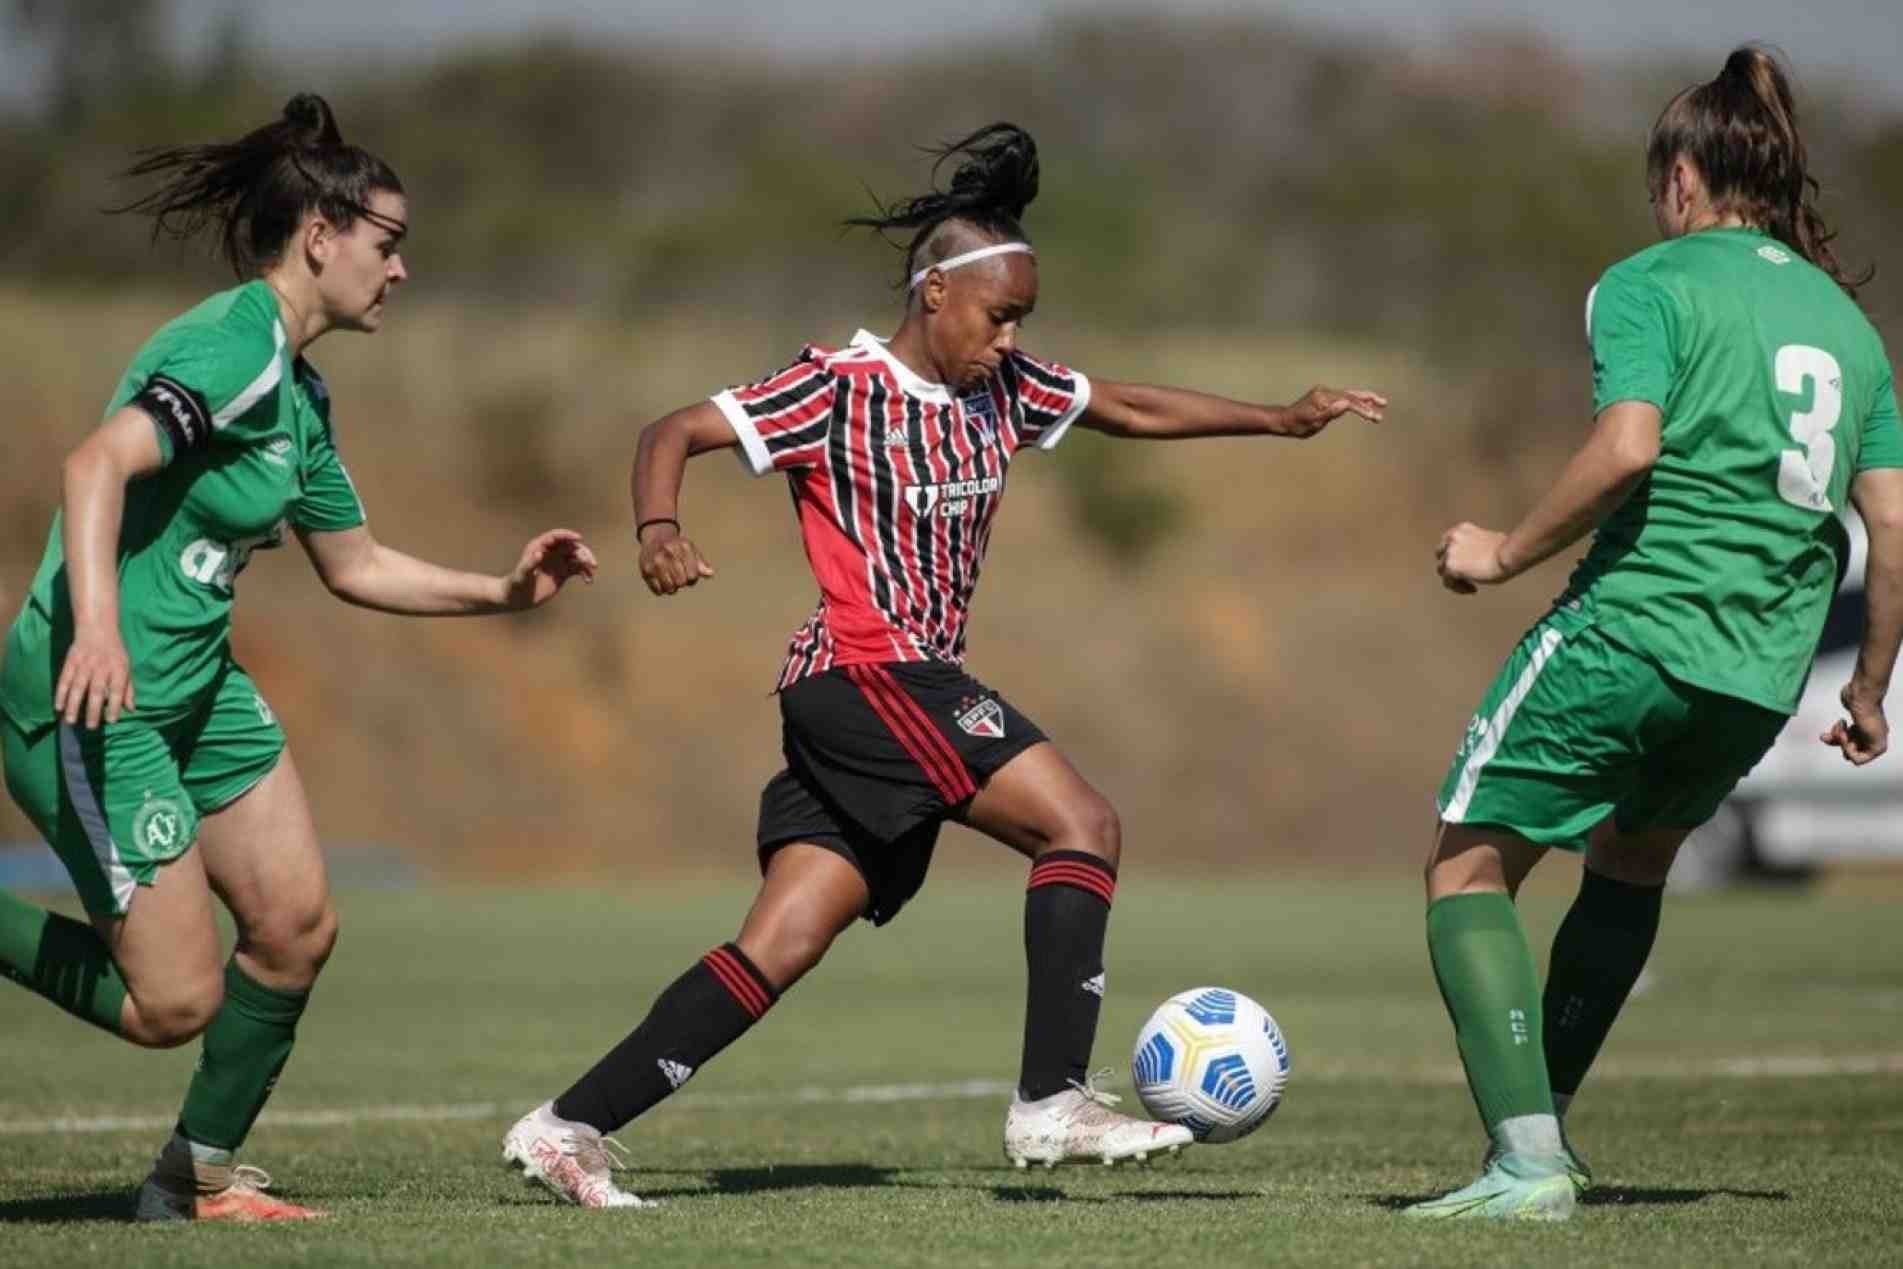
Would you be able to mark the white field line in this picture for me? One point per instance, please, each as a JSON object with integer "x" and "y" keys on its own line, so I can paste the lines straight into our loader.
{"x": 961, "y": 1090}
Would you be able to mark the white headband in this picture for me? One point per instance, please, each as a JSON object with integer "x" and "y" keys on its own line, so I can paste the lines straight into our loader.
{"x": 971, "y": 257}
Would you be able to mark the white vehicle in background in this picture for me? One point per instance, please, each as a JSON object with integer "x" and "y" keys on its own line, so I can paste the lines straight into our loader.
{"x": 1804, "y": 805}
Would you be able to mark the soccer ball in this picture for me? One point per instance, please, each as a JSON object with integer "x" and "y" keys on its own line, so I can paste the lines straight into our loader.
{"x": 1212, "y": 1060}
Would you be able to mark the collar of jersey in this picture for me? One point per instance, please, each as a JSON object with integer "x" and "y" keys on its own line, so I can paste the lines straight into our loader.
{"x": 908, "y": 380}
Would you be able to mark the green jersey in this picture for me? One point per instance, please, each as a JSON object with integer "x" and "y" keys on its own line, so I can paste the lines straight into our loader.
{"x": 245, "y": 435}
{"x": 1774, "y": 392}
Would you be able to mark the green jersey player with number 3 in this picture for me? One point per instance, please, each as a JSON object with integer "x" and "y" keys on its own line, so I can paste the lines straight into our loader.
{"x": 132, "y": 739}
{"x": 1741, "y": 399}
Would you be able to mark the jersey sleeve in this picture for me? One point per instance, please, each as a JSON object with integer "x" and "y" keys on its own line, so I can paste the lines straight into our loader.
{"x": 214, "y": 386}
{"x": 1629, "y": 322}
{"x": 782, "y": 421}
{"x": 329, "y": 503}
{"x": 1048, "y": 398}
{"x": 1882, "y": 431}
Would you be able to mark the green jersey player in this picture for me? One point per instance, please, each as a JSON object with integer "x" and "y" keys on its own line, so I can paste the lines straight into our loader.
{"x": 131, "y": 738}
{"x": 1741, "y": 399}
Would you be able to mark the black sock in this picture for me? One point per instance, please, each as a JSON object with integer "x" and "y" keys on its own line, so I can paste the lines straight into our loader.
{"x": 1598, "y": 953}
{"x": 701, "y": 1013}
{"x": 1066, "y": 910}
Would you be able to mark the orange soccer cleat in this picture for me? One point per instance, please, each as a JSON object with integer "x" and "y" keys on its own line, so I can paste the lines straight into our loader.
{"x": 243, "y": 1201}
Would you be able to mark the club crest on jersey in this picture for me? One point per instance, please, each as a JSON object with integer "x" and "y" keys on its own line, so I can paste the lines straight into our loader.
{"x": 159, "y": 825}
{"x": 981, "y": 717}
{"x": 982, "y": 408}
{"x": 951, "y": 499}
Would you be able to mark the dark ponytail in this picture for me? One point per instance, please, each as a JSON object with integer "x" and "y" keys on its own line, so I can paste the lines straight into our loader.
{"x": 995, "y": 180}
{"x": 1741, "y": 132}
{"x": 257, "y": 189}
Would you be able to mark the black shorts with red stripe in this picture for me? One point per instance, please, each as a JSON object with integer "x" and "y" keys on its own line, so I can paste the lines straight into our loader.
{"x": 877, "y": 757}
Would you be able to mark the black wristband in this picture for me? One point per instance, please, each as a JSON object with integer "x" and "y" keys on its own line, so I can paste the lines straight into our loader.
{"x": 656, "y": 520}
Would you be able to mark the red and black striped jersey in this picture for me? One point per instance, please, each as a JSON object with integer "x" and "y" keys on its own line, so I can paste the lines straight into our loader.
{"x": 895, "y": 481}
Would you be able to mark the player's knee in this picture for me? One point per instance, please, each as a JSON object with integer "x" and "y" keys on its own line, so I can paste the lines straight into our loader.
{"x": 1095, "y": 828}
{"x": 176, "y": 1014}
{"x": 295, "y": 942}
{"x": 322, "y": 940}
{"x": 799, "y": 949}
{"x": 793, "y": 949}
{"x": 1636, "y": 868}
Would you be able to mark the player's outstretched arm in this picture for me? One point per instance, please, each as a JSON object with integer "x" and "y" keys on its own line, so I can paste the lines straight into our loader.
{"x": 1621, "y": 450}
{"x": 669, "y": 559}
{"x": 1149, "y": 412}
{"x": 360, "y": 570}
{"x": 1865, "y": 735}
{"x": 96, "y": 680}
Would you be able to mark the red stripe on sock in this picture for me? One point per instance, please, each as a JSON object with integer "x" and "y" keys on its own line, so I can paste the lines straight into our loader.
{"x": 725, "y": 974}
{"x": 754, "y": 988}
{"x": 967, "y": 787}
{"x": 734, "y": 978}
{"x": 1065, "y": 872}
{"x": 880, "y": 696}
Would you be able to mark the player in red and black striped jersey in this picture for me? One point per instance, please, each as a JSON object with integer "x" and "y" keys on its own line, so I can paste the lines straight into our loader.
{"x": 896, "y": 454}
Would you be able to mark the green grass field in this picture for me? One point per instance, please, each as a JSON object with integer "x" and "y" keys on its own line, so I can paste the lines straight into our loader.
{"x": 1750, "y": 1109}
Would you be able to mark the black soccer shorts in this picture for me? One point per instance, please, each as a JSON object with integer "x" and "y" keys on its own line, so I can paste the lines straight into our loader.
{"x": 877, "y": 757}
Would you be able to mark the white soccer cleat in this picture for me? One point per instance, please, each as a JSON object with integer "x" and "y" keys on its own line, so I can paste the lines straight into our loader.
{"x": 570, "y": 1160}
{"x": 1079, "y": 1126}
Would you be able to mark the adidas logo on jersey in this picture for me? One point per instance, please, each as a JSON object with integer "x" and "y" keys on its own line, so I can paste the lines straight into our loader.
{"x": 1094, "y": 985}
{"x": 676, "y": 1073}
{"x": 1776, "y": 255}
{"x": 895, "y": 438}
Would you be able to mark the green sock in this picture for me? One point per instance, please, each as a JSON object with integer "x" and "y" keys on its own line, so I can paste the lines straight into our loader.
{"x": 61, "y": 959}
{"x": 246, "y": 1045}
{"x": 1600, "y": 949}
{"x": 1486, "y": 976}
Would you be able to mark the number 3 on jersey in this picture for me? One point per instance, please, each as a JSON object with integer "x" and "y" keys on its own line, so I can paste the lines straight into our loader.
{"x": 1803, "y": 475}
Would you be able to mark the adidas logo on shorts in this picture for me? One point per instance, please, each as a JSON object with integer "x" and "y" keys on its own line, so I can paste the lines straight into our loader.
{"x": 677, "y": 1073}
{"x": 1094, "y": 985}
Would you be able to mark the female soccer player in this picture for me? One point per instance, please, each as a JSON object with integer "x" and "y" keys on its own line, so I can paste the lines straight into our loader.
{"x": 132, "y": 739}
{"x": 895, "y": 452}
{"x": 1740, "y": 397}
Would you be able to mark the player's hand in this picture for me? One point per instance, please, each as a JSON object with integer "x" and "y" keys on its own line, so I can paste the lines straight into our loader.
{"x": 1468, "y": 558}
{"x": 1322, "y": 406}
{"x": 670, "y": 562}
{"x": 1866, "y": 734}
{"x": 548, "y": 562}
{"x": 96, "y": 680}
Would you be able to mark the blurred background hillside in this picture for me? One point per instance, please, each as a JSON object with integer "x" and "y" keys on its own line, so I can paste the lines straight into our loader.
{"x": 1242, "y": 643}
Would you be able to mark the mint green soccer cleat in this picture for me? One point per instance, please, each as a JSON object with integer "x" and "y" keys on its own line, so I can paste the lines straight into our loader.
{"x": 1514, "y": 1187}
{"x": 1576, "y": 1167}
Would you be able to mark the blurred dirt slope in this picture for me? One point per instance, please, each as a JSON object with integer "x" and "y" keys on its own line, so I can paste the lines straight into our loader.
{"x": 1276, "y": 685}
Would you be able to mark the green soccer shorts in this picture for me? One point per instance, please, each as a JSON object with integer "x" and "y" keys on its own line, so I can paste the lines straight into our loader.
{"x": 1577, "y": 727}
{"x": 119, "y": 802}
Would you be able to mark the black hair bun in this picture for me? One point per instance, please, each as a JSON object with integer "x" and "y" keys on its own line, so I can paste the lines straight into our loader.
{"x": 999, "y": 171}
{"x": 312, "y": 123}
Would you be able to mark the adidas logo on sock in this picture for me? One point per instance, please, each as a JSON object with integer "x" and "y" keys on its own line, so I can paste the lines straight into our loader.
{"x": 1094, "y": 985}
{"x": 677, "y": 1073}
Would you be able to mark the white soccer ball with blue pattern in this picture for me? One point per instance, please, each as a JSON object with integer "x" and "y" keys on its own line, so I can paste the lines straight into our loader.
{"x": 1212, "y": 1060}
